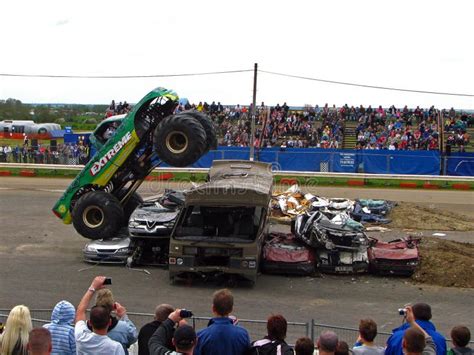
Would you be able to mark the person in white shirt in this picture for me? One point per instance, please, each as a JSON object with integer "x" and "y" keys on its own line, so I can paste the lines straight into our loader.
{"x": 95, "y": 341}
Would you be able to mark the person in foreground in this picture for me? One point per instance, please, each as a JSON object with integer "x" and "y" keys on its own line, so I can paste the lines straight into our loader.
{"x": 184, "y": 338}
{"x": 39, "y": 342}
{"x": 461, "y": 337}
{"x": 422, "y": 315}
{"x": 221, "y": 335}
{"x": 95, "y": 341}
{"x": 416, "y": 341}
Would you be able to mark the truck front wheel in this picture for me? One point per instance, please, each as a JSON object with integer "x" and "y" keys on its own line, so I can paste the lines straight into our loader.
{"x": 180, "y": 140}
{"x": 97, "y": 215}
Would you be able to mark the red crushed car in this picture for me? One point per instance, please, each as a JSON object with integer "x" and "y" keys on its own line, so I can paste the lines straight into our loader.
{"x": 397, "y": 257}
{"x": 282, "y": 254}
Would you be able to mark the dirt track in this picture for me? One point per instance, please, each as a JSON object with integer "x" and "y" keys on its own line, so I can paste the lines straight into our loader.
{"x": 41, "y": 263}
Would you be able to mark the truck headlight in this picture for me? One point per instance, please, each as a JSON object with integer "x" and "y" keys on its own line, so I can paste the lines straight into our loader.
{"x": 179, "y": 261}
{"x": 252, "y": 264}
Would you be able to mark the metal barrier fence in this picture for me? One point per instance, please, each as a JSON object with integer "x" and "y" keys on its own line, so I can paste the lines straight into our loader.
{"x": 256, "y": 328}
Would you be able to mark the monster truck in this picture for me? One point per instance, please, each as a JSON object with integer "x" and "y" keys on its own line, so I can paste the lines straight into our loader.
{"x": 103, "y": 195}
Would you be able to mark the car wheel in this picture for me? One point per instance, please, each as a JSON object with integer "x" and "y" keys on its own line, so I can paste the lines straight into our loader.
{"x": 206, "y": 123}
{"x": 180, "y": 140}
{"x": 97, "y": 215}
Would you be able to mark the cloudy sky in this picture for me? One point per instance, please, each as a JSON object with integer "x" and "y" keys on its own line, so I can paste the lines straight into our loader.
{"x": 421, "y": 45}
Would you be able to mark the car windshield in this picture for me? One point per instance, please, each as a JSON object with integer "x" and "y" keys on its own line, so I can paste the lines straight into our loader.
{"x": 225, "y": 224}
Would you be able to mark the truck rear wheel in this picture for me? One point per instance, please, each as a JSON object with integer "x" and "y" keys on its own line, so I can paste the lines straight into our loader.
{"x": 97, "y": 215}
{"x": 206, "y": 123}
{"x": 180, "y": 140}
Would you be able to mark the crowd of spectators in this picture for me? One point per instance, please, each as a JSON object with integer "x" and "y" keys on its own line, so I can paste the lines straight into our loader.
{"x": 109, "y": 331}
{"x": 119, "y": 109}
{"x": 68, "y": 153}
{"x": 456, "y": 130}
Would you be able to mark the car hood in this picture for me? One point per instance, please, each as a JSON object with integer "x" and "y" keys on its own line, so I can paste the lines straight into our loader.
{"x": 115, "y": 243}
{"x": 154, "y": 212}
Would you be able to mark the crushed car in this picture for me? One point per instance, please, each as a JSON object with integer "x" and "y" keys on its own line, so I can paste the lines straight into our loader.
{"x": 397, "y": 257}
{"x": 108, "y": 251}
{"x": 283, "y": 254}
{"x": 102, "y": 197}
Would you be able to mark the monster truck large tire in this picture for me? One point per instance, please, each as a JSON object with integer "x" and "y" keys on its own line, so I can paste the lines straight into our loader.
{"x": 206, "y": 123}
{"x": 97, "y": 215}
{"x": 180, "y": 140}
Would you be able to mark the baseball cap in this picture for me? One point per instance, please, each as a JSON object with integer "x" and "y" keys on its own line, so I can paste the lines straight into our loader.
{"x": 184, "y": 336}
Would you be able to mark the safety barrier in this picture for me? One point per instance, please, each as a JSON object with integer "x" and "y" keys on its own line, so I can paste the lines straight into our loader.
{"x": 256, "y": 328}
{"x": 302, "y": 174}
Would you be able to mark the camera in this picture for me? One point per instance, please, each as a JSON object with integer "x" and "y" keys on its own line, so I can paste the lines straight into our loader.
{"x": 184, "y": 313}
{"x": 108, "y": 281}
{"x": 402, "y": 311}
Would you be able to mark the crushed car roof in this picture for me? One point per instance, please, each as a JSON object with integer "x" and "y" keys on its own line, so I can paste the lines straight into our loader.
{"x": 234, "y": 182}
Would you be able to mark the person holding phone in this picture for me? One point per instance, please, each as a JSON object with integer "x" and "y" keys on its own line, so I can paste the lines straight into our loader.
{"x": 94, "y": 341}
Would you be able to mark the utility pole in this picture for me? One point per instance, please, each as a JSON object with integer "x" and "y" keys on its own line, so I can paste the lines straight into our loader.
{"x": 253, "y": 112}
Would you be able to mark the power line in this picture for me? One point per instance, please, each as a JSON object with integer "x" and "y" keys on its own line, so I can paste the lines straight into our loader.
{"x": 365, "y": 85}
{"x": 121, "y": 76}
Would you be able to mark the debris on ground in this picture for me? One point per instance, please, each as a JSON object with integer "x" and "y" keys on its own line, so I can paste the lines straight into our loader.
{"x": 445, "y": 263}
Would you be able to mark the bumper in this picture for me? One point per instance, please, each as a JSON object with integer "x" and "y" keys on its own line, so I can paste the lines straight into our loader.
{"x": 392, "y": 268}
{"x": 359, "y": 267}
{"x": 106, "y": 258}
{"x": 276, "y": 267}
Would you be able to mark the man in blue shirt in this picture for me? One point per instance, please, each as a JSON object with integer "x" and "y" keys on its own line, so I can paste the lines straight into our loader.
{"x": 221, "y": 335}
{"x": 422, "y": 313}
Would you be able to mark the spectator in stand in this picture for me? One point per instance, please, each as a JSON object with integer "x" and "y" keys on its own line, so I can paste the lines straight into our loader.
{"x": 184, "y": 338}
{"x": 95, "y": 341}
{"x": 121, "y": 328}
{"x": 460, "y": 336}
{"x": 327, "y": 343}
{"x": 61, "y": 329}
{"x": 221, "y": 335}
{"x": 274, "y": 343}
{"x": 14, "y": 339}
{"x": 304, "y": 346}
{"x": 161, "y": 314}
{"x": 422, "y": 316}
{"x": 365, "y": 344}
{"x": 39, "y": 342}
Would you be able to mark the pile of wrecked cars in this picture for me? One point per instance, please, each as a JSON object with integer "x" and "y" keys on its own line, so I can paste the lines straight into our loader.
{"x": 330, "y": 234}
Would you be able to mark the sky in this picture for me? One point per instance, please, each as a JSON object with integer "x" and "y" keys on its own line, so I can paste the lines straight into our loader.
{"x": 415, "y": 44}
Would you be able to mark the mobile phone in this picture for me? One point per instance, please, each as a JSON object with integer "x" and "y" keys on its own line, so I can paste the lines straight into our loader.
{"x": 108, "y": 281}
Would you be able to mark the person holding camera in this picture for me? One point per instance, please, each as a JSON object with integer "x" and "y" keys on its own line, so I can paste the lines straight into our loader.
{"x": 416, "y": 341}
{"x": 95, "y": 341}
{"x": 419, "y": 314}
{"x": 184, "y": 338}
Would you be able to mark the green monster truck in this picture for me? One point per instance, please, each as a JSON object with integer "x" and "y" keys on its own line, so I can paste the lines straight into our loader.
{"x": 103, "y": 195}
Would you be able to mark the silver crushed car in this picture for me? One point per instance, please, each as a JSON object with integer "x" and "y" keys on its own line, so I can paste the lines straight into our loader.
{"x": 108, "y": 251}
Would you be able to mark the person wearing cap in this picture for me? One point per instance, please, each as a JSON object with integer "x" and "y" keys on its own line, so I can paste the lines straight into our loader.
{"x": 183, "y": 338}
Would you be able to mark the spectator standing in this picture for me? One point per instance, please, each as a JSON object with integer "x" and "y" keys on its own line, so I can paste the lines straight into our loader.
{"x": 39, "y": 342}
{"x": 14, "y": 339}
{"x": 342, "y": 349}
{"x": 161, "y": 314}
{"x": 61, "y": 329}
{"x": 415, "y": 340}
{"x": 365, "y": 344}
{"x": 183, "y": 338}
{"x": 95, "y": 341}
{"x": 327, "y": 342}
{"x": 121, "y": 329}
{"x": 221, "y": 335}
{"x": 274, "y": 343}
{"x": 422, "y": 316}
{"x": 304, "y": 346}
{"x": 460, "y": 336}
